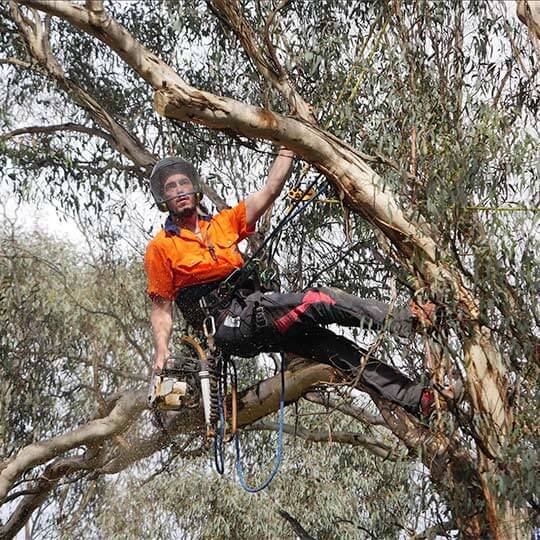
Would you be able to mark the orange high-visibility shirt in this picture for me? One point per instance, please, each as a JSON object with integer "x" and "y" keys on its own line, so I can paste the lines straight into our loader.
{"x": 178, "y": 258}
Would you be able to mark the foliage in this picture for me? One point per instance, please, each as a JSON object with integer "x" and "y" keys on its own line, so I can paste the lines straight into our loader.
{"x": 440, "y": 97}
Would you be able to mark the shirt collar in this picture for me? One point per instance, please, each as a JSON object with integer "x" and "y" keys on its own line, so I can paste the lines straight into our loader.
{"x": 171, "y": 227}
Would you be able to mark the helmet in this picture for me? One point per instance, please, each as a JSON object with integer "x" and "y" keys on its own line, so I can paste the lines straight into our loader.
{"x": 165, "y": 168}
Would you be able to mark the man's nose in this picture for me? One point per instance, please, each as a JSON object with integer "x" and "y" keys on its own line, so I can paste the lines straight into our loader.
{"x": 179, "y": 191}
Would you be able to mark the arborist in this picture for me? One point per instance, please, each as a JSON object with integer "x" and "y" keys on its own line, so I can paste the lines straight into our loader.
{"x": 195, "y": 253}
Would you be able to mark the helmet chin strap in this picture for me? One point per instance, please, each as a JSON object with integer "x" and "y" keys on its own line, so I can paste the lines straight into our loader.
{"x": 187, "y": 194}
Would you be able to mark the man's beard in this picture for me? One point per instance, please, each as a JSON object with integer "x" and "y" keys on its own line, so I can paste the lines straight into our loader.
{"x": 185, "y": 212}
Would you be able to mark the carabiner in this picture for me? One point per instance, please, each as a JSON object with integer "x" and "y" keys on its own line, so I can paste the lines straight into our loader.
{"x": 268, "y": 274}
{"x": 209, "y": 326}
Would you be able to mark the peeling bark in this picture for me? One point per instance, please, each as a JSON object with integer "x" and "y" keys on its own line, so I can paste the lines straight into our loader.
{"x": 528, "y": 12}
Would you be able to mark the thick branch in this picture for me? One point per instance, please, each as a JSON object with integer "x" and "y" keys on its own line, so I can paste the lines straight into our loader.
{"x": 120, "y": 418}
{"x": 263, "y": 398}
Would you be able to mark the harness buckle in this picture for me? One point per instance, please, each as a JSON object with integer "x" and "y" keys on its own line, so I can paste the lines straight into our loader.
{"x": 261, "y": 320}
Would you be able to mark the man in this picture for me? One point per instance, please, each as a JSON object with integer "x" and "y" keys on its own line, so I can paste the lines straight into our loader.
{"x": 194, "y": 253}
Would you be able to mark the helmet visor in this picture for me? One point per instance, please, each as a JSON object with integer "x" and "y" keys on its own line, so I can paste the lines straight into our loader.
{"x": 166, "y": 168}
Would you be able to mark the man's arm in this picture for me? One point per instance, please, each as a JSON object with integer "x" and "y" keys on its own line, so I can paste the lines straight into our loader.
{"x": 258, "y": 202}
{"x": 162, "y": 323}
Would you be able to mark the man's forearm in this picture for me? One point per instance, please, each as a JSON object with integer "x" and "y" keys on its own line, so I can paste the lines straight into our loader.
{"x": 162, "y": 329}
{"x": 162, "y": 323}
{"x": 280, "y": 171}
{"x": 259, "y": 202}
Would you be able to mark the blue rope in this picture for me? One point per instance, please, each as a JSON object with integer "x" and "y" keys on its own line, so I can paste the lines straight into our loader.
{"x": 279, "y": 449}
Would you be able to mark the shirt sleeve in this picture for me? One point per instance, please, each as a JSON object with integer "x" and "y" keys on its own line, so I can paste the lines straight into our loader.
{"x": 158, "y": 273}
{"x": 238, "y": 219}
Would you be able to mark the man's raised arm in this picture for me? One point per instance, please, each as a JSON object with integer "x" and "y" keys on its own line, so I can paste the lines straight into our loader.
{"x": 258, "y": 202}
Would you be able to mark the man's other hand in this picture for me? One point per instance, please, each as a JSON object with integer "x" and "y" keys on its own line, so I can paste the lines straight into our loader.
{"x": 160, "y": 359}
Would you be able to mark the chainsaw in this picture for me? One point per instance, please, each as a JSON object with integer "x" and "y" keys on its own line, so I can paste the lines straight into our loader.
{"x": 183, "y": 382}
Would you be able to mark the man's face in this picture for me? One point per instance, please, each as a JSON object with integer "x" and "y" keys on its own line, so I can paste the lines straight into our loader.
{"x": 176, "y": 188}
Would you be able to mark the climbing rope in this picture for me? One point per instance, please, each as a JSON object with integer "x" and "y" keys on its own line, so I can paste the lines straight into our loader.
{"x": 279, "y": 447}
{"x": 218, "y": 414}
{"x": 219, "y": 440}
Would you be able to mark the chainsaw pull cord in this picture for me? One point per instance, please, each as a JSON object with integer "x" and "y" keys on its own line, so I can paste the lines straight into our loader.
{"x": 279, "y": 448}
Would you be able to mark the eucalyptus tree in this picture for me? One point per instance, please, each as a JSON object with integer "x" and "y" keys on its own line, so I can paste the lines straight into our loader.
{"x": 421, "y": 117}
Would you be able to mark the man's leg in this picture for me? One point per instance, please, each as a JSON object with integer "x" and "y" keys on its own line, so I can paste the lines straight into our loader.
{"x": 324, "y": 305}
{"x": 322, "y": 345}
{"x": 243, "y": 334}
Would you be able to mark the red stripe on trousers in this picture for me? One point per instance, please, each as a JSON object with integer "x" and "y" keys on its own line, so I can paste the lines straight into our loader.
{"x": 311, "y": 297}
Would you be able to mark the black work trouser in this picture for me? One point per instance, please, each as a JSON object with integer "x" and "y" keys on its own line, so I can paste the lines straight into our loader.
{"x": 291, "y": 322}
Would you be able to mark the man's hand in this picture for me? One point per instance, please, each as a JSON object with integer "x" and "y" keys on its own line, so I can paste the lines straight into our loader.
{"x": 160, "y": 359}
